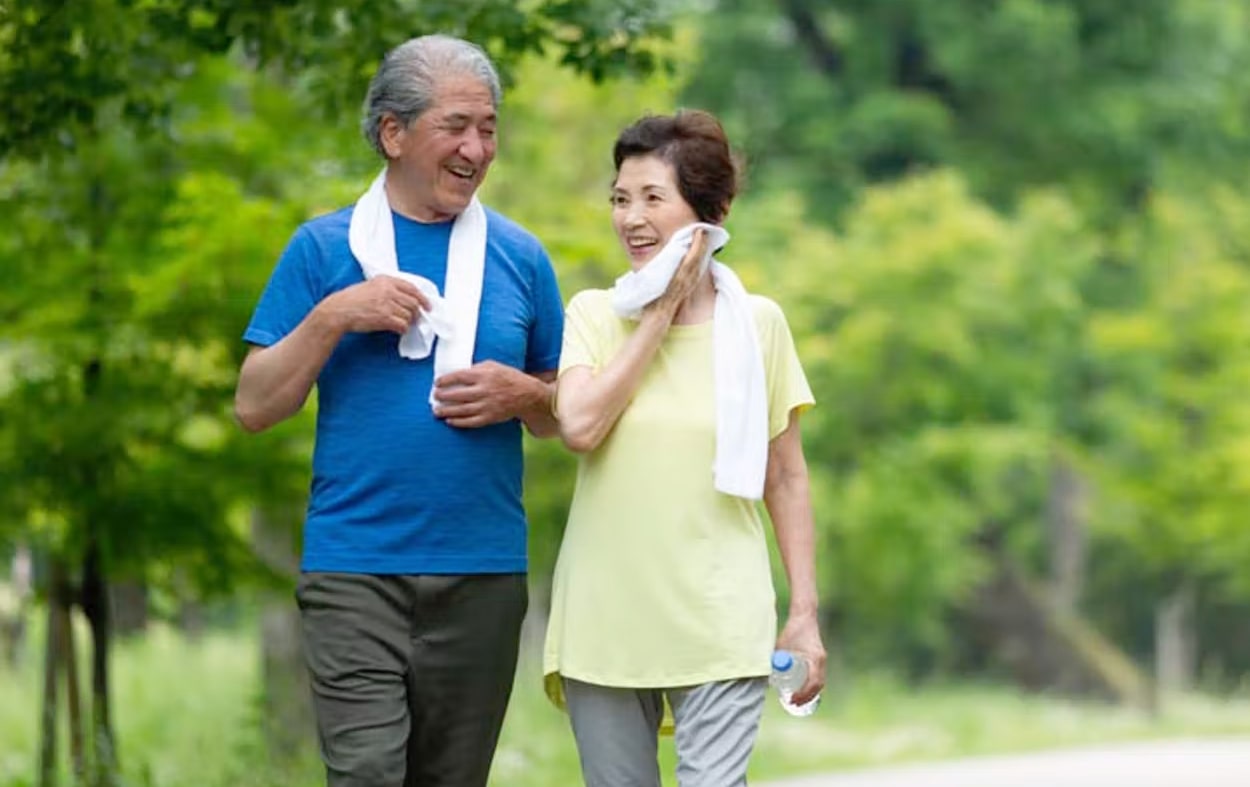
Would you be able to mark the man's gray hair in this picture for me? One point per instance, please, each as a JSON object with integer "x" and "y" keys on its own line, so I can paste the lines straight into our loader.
{"x": 407, "y": 79}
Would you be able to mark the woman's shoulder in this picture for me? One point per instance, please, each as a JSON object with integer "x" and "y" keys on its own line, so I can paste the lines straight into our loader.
{"x": 591, "y": 302}
{"x": 765, "y": 309}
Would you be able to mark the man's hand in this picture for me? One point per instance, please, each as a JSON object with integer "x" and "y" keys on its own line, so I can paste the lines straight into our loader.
{"x": 383, "y": 303}
{"x": 801, "y": 636}
{"x": 486, "y": 393}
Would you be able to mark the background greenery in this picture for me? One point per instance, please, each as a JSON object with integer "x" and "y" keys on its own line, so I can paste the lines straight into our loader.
{"x": 1010, "y": 238}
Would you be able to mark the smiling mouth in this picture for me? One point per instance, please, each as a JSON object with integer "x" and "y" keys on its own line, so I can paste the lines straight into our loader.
{"x": 462, "y": 172}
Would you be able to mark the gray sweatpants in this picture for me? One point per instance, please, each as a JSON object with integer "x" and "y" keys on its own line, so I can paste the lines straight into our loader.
{"x": 617, "y": 732}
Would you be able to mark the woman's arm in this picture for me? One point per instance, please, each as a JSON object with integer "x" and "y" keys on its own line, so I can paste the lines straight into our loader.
{"x": 588, "y": 403}
{"x": 787, "y": 496}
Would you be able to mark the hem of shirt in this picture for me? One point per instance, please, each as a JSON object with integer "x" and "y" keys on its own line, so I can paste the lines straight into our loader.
{"x": 390, "y": 564}
{"x": 721, "y": 672}
{"x": 260, "y": 338}
{"x": 546, "y": 365}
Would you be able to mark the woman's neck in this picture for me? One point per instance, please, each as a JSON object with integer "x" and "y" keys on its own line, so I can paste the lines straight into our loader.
{"x": 701, "y": 304}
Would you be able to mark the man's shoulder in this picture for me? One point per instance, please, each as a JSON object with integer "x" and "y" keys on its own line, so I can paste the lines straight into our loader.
{"x": 328, "y": 226}
{"x": 511, "y": 234}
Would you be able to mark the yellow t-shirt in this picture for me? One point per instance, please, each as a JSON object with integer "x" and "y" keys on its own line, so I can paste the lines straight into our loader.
{"x": 661, "y": 580}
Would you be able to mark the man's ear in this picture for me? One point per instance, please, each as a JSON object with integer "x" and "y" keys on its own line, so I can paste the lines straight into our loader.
{"x": 391, "y": 133}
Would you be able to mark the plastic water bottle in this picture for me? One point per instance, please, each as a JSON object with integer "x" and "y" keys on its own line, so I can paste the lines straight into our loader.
{"x": 788, "y": 676}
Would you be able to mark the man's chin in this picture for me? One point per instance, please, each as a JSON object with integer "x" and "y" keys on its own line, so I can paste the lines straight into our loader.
{"x": 456, "y": 201}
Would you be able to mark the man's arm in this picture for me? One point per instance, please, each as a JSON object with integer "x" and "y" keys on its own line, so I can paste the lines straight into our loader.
{"x": 275, "y": 381}
{"x": 490, "y": 392}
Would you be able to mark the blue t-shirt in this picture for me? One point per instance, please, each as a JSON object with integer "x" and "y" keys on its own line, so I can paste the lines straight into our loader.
{"x": 394, "y": 489}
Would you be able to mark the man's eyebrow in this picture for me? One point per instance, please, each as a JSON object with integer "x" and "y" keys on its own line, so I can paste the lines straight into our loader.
{"x": 465, "y": 117}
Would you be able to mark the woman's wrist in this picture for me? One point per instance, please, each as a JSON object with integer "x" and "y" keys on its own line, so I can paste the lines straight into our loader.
{"x": 804, "y": 607}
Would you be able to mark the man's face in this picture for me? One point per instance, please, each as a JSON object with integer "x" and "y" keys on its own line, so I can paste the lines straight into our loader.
{"x": 443, "y": 155}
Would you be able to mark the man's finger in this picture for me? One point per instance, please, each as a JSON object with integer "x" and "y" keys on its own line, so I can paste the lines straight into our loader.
{"x": 447, "y": 410}
{"x": 459, "y": 395}
{"x": 460, "y": 377}
{"x": 408, "y": 293}
{"x": 474, "y": 422}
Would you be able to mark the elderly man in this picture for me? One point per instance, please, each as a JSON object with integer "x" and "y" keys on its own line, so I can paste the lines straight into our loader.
{"x": 431, "y": 327}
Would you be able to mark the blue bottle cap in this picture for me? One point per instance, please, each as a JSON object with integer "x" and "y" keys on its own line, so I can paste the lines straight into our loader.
{"x": 782, "y": 660}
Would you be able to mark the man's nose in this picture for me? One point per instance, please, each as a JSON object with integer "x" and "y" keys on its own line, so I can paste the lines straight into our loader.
{"x": 473, "y": 146}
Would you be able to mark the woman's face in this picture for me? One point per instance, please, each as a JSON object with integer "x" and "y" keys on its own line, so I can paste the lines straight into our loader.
{"x": 647, "y": 207}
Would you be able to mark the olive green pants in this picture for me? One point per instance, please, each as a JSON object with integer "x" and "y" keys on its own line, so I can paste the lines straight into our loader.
{"x": 410, "y": 674}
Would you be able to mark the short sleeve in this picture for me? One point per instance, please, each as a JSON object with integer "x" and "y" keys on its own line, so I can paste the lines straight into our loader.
{"x": 293, "y": 290}
{"x": 543, "y": 352}
{"x": 583, "y": 339}
{"x": 787, "y": 384}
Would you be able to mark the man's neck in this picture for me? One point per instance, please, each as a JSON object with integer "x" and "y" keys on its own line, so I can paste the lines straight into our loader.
{"x": 412, "y": 206}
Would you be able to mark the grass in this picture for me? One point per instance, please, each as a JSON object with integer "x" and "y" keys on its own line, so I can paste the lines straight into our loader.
{"x": 186, "y": 714}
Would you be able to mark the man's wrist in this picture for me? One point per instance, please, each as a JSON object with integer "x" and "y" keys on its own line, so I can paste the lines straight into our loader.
{"x": 328, "y": 318}
{"x": 537, "y": 397}
{"x": 544, "y": 397}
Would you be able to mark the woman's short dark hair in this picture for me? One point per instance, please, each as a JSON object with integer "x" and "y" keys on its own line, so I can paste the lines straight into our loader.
{"x": 694, "y": 144}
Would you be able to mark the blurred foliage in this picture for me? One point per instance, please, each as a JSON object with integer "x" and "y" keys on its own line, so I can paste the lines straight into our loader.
{"x": 66, "y": 66}
{"x": 830, "y": 95}
{"x": 1008, "y": 237}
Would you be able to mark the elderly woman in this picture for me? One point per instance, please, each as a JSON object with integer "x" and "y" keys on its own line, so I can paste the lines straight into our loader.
{"x": 682, "y": 394}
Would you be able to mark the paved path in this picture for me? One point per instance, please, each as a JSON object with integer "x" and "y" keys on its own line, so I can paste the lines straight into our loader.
{"x": 1181, "y": 763}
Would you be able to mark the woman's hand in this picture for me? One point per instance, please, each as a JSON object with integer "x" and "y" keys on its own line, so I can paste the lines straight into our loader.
{"x": 801, "y": 636}
{"x": 685, "y": 279}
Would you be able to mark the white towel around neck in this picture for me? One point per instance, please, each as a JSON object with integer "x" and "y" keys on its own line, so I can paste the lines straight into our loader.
{"x": 452, "y": 317}
{"x": 741, "y": 396}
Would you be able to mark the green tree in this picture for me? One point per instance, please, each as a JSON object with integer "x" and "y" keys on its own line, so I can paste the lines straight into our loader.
{"x": 929, "y": 329}
{"x": 834, "y": 94}
{"x": 1178, "y": 423}
{"x": 65, "y": 66}
{"x": 143, "y": 171}
{"x": 1077, "y": 95}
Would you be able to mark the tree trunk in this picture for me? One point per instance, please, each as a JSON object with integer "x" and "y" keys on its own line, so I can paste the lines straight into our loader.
{"x": 95, "y": 606}
{"x": 191, "y": 617}
{"x": 822, "y": 51}
{"x": 1176, "y": 640}
{"x": 534, "y": 625}
{"x": 13, "y": 628}
{"x": 286, "y": 697}
{"x": 129, "y": 608}
{"x": 1010, "y": 619}
{"x": 73, "y": 691}
{"x": 51, "y": 664}
{"x": 1066, "y": 533}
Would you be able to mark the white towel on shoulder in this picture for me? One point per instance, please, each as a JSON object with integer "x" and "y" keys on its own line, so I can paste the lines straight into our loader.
{"x": 452, "y": 317}
{"x": 741, "y": 395}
